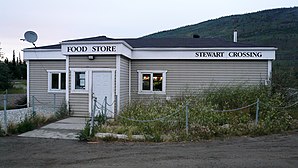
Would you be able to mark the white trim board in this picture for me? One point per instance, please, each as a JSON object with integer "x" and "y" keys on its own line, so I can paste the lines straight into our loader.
{"x": 28, "y": 83}
{"x": 43, "y": 55}
{"x": 118, "y": 67}
{"x": 67, "y": 82}
{"x": 164, "y": 81}
{"x": 72, "y": 77}
{"x": 59, "y": 90}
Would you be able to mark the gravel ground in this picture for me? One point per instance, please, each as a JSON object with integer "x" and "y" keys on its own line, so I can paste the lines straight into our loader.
{"x": 267, "y": 151}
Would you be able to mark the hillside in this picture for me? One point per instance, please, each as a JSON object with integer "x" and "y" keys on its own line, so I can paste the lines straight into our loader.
{"x": 275, "y": 27}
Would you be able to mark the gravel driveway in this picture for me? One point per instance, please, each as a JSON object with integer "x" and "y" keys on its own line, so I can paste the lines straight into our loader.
{"x": 266, "y": 151}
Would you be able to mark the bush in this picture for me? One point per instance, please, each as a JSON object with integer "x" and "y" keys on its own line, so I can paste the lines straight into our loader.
{"x": 62, "y": 112}
{"x": 205, "y": 123}
{"x": 2, "y": 132}
{"x": 29, "y": 123}
{"x": 84, "y": 135}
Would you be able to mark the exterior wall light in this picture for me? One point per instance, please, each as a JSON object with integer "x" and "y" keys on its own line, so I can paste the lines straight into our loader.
{"x": 91, "y": 57}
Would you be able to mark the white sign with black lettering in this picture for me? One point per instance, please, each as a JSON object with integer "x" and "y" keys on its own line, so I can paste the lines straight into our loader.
{"x": 232, "y": 55}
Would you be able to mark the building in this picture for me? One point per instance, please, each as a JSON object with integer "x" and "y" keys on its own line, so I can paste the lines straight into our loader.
{"x": 130, "y": 69}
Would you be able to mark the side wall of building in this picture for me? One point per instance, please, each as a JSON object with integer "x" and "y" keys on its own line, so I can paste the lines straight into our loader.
{"x": 38, "y": 82}
{"x": 194, "y": 75}
{"x": 124, "y": 81}
{"x": 79, "y": 102}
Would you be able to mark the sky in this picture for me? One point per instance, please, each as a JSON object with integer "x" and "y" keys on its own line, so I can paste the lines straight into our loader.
{"x": 58, "y": 20}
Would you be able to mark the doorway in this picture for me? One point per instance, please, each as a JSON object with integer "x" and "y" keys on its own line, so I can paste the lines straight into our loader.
{"x": 103, "y": 86}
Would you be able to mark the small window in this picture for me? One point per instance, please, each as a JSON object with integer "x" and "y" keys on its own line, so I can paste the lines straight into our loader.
{"x": 63, "y": 81}
{"x": 151, "y": 82}
{"x": 146, "y": 81}
{"x": 80, "y": 80}
{"x": 56, "y": 81}
{"x": 157, "y": 81}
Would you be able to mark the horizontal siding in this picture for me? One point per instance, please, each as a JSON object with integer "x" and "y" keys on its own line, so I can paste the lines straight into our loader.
{"x": 38, "y": 83}
{"x": 79, "y": 103}
{"x": 195, "y": 75}
{"x": 124, "y": 81}
{"x": 98, "y": 62}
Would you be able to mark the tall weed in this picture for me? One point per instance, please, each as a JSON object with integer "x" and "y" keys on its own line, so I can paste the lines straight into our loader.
{"x": 204, "y": 123}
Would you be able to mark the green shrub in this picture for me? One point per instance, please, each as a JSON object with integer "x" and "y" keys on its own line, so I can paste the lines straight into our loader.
{"x": 2, "y": 132}
{"x": 62, "y": 111}
{"x": 84, "y": 135}
{"x": 205, "y": 123}
{"x": 29, "y": 123}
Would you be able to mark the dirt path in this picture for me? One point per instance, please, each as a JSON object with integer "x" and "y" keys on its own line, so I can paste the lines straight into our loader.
{"x": 266, "y": 151}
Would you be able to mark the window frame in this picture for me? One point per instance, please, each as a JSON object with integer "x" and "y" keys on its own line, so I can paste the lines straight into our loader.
{"x": 151, "y": 72}
{"x": 73, "y": 77}
{"x": 59, "y": 72}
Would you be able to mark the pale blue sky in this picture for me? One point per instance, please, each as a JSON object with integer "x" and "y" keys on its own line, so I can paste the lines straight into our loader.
{"x": 57, "y": 20}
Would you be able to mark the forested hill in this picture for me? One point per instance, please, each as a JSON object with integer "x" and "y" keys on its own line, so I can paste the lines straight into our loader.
{"x": 275, "y": 27}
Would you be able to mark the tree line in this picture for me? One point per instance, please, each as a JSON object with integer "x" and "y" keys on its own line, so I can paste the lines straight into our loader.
{"x": 10, "y": 70}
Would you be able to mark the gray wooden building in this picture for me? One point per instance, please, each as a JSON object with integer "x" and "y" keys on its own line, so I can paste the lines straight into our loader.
{"x": 140, "y": 68}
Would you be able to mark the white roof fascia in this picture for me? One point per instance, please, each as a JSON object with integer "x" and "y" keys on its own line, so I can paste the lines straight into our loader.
{"x": 99, "y": 42}
{"x": 43, "y": 54}
{"x": 207, "y": 49}
{"x": 123, "y": 48}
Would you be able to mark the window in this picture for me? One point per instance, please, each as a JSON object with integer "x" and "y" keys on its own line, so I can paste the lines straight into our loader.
{"x": 79, "y": 80}
{"x": 157, "y": 81}
{"x": 56, "y": 81}
{"x": 152, "y": 82}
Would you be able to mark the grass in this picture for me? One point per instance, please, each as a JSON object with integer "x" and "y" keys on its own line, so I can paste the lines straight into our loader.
{"x": 31, "y": 122}
{"x": 203, "y": 122}
{"x": 17, "y": 91}
{"x": 19, "y": 87}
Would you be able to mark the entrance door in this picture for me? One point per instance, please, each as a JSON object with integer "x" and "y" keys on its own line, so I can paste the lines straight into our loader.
{"x": 103, "y": 86}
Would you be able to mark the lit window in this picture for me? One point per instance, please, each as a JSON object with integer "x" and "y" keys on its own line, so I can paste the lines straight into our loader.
{"x": 146, "y": 82}
{"x": 152, "y": 82}
{"x": 157, "y": 81}
{"x": 56, "y": 81}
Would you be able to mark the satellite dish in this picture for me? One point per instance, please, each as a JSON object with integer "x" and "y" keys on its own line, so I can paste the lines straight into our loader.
{"x": 30, "y": 36}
